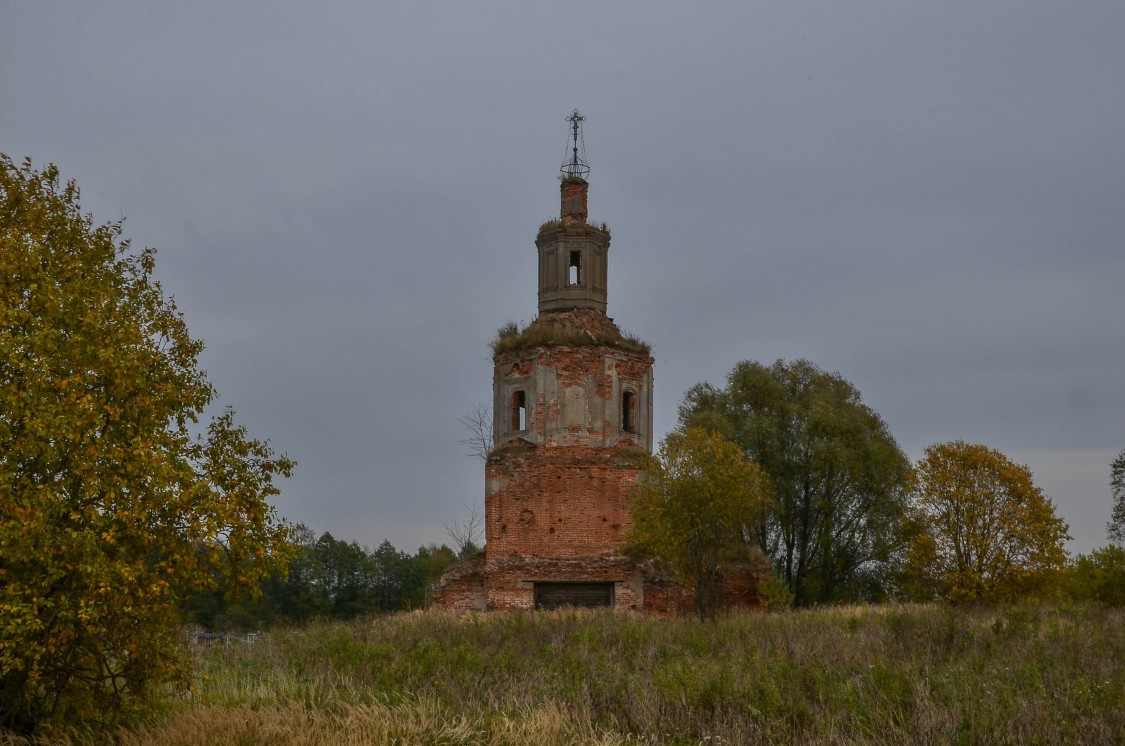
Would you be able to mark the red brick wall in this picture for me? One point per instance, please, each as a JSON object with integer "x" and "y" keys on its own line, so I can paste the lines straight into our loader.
{"x": 482, "y": 584}
{"x": 460, "y": 589}
{"x": 559, "y": 502}
{"x": 574, "y": 196}
{"x": 511, "y": 581}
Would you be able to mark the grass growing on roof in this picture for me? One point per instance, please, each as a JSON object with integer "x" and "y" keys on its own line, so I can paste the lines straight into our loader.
{"x": 510, "y": 338}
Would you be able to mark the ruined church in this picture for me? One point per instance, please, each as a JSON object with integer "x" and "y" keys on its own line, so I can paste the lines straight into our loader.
{"x": 572, "y": 425}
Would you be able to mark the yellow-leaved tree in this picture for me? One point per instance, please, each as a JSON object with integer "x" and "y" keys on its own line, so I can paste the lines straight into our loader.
{"x": 114, "y": 503}
{"x": 696, "y": 508}
{"x": 986, "y": 532}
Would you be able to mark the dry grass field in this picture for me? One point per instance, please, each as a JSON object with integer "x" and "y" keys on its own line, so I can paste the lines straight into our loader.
{"x": 878, "y": 674}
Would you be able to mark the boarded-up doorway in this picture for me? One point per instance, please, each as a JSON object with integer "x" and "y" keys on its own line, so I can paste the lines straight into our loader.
{"x": 585, "y": 595}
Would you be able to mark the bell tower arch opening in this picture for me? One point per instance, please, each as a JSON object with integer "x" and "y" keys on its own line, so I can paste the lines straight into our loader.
{"x": 519, "y": 410}
{"x": 628, "y": 412}
{"x": 574, "y": 273}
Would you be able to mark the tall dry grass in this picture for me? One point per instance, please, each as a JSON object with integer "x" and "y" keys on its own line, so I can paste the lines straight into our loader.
{"x": 889, "y": 674}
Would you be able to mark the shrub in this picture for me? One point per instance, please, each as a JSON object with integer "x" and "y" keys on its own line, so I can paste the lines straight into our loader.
{"x": 1099, "y": 576}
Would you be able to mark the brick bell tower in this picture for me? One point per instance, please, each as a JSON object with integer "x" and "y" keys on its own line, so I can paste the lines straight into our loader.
{"x": 572, "y": 424}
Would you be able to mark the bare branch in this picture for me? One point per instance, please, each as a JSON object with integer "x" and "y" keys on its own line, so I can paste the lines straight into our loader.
{"x": 466, "y": 532}
{"x": 479, "y": 424}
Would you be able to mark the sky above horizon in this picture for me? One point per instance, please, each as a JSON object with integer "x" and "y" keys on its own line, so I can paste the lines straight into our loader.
{"x": 928, "y": 198}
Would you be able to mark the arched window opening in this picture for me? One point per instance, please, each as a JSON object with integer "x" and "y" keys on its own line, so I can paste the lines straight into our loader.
{"x": 628, "y": 412}
{"x": 519, "y": 410}
{"x": 574, "y": 276}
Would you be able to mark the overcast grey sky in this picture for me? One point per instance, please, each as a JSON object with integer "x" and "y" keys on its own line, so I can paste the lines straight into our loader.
{"x": 926, "y": 197}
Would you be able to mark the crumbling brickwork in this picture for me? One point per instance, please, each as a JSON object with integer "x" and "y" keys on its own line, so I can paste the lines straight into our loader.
{"x": 485, "y": 584}
{"x": 591, "y": 395}
{"x": 559, "y": 502}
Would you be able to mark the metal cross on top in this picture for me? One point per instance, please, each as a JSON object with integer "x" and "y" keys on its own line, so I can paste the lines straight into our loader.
{"x": 576, "y": 167}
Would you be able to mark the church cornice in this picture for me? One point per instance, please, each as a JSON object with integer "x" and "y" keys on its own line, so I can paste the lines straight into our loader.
{"x": 578, "y": 327}
{"x": 555, "y": 226}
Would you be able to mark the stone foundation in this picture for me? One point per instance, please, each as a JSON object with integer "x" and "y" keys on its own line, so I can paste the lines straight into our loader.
{"x": 481, "y": 584}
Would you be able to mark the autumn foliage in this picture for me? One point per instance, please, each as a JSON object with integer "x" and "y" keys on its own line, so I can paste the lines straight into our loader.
{"x": 986, "y": 532}
{"x": 696, "y": 509}
{"x": 116, "y": 502}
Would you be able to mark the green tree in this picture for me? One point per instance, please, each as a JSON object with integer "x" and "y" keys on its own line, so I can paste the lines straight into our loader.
{"x": 389, "y": 568}
{"x": 115, "y": 507}
{"x": 346, "y": 577}
{"x": 988, "y": 533}
{"x": 696, "y": 507}
{"x": 1115, "y": 529}
{"x": 839, "y": 479}
{"x": 296, "y": 592}
{"x": 422, "y": 570}
{"x": 1099, "y": 576}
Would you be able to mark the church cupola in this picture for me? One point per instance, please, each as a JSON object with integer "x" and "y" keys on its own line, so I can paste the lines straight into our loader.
{"x": 573, "y": 253}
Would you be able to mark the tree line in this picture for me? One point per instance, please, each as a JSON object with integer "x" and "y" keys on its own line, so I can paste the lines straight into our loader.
{"x": 788, "y": 462}
{"x": 326, "y": 578}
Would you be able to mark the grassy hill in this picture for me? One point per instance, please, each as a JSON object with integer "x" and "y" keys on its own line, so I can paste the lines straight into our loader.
{"x": 889, "y": 674}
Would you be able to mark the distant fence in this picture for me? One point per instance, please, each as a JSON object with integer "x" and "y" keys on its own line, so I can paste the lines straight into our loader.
{"x": 210, "y": 638}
